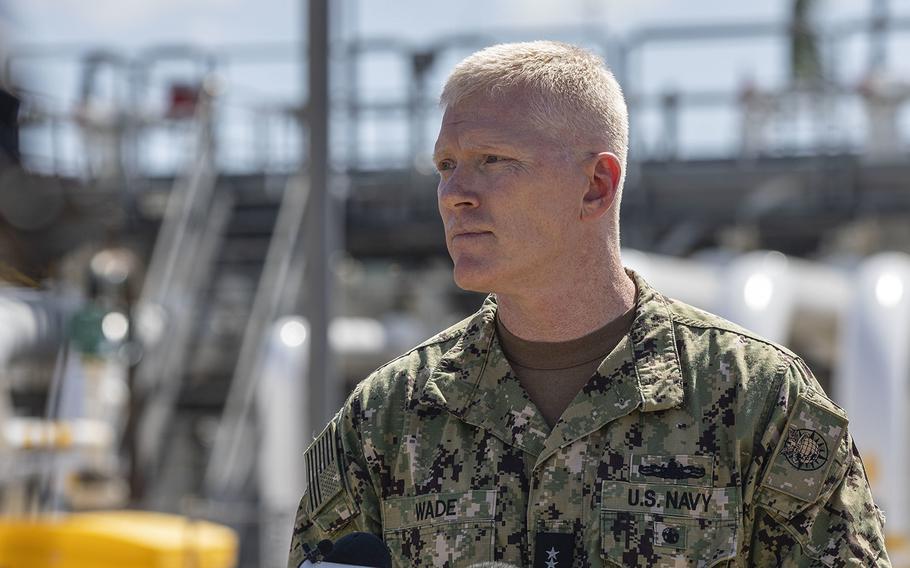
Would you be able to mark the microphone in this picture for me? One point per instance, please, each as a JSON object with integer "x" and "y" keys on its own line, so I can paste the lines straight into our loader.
{"x": 354, "y": 549}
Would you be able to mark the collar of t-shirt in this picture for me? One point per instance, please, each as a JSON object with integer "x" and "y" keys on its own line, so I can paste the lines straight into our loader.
{"x": 553, "y": 373}
{"x": 542, "y": 355}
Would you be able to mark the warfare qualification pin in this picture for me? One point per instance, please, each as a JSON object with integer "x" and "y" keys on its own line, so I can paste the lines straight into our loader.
{"x": 805, "y": 449}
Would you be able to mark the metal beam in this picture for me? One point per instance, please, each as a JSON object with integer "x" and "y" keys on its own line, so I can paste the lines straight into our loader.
{"x": 319, "y": 216}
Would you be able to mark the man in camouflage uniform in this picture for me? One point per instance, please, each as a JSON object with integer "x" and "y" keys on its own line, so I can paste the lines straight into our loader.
{"x": 691, "y": 442}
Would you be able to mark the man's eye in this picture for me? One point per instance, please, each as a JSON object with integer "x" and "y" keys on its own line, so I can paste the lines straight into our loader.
{"x": 445, "y": 165}
{"x": 489, "y": 159}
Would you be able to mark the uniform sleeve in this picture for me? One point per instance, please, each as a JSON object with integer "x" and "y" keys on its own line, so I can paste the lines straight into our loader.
{"x": 339, "y": 497}
{"x": 809, "y": 503}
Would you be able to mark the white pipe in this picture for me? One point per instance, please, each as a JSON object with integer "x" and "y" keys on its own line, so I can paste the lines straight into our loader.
{"x": 693, "y": 282}
{"x": 764, "y": 290}
{"x": 281, "y": 436}
{"x": 873, "y": 380}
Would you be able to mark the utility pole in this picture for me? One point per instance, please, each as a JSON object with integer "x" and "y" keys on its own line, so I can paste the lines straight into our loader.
{"x": 878, "y": 36}
{"x": 319, "y": 217}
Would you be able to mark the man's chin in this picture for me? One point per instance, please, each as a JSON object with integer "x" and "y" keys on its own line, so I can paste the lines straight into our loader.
{"x": 472, "y": 280}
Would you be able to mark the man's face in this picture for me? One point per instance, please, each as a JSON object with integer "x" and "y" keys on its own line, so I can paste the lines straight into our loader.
{"x": 509, "y": 195}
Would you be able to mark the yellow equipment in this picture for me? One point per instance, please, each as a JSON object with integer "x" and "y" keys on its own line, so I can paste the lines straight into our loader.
{"x": 116, "y": 539}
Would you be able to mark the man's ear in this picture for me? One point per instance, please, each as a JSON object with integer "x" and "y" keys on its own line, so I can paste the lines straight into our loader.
{"x": 604, "y": 172}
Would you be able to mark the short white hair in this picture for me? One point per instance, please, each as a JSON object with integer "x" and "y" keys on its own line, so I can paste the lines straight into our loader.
{"x": 569, "y": 87}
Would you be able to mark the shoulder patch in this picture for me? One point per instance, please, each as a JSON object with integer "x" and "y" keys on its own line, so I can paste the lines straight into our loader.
{"x": 320, "y": 460}
{"x": 807, "y": 449}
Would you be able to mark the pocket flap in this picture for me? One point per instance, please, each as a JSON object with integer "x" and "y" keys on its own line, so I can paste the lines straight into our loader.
{"x": 336, "y": 512}
{"x": 644, "y": 539}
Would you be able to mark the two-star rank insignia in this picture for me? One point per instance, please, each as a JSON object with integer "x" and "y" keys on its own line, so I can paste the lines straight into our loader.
{"x": 553, "y": 550}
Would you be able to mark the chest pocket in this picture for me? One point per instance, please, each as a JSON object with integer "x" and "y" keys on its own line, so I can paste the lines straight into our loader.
{"x": 440, "y": 529}
{"x": 667, "y": 525}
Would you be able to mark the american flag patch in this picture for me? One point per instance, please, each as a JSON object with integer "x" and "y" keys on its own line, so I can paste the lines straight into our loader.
{"x": 321, "y": 463}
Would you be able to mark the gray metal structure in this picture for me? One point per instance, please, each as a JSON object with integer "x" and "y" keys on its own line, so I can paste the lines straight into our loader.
{"x": 226, "y": 221}
{"x": 320, "y": 221}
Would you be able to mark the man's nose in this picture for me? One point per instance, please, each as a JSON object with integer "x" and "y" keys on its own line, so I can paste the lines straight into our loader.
{"x": 455, "y": 191}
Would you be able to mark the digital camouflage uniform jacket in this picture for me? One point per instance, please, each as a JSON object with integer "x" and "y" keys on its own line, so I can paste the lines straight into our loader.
{"x": 695, "y": 443}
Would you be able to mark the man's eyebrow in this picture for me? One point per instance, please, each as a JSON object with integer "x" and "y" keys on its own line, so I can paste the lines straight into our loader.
{"x": 492, "y": 146}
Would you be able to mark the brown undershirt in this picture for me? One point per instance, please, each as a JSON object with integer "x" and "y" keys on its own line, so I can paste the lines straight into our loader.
{"x": 553, "y": 373}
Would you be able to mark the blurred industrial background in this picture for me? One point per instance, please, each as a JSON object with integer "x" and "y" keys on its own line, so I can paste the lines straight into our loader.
{"x": 216, "y": 217}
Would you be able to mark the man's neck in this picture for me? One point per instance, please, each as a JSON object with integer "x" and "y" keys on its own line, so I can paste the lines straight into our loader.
{"x": 570, "y": 310}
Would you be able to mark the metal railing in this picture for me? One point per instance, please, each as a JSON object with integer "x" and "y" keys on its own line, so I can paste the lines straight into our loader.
{"x": 392, "y": 126}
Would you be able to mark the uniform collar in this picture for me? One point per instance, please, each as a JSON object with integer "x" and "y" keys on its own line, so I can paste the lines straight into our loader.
{"x": 653, "y": 341}
{"x": 473, "y": 380}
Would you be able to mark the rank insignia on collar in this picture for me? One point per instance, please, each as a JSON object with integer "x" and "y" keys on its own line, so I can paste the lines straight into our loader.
{"x": 553, "y": 550}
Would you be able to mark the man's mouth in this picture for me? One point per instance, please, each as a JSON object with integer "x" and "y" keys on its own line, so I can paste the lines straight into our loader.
{"x": 470, "y": 234}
